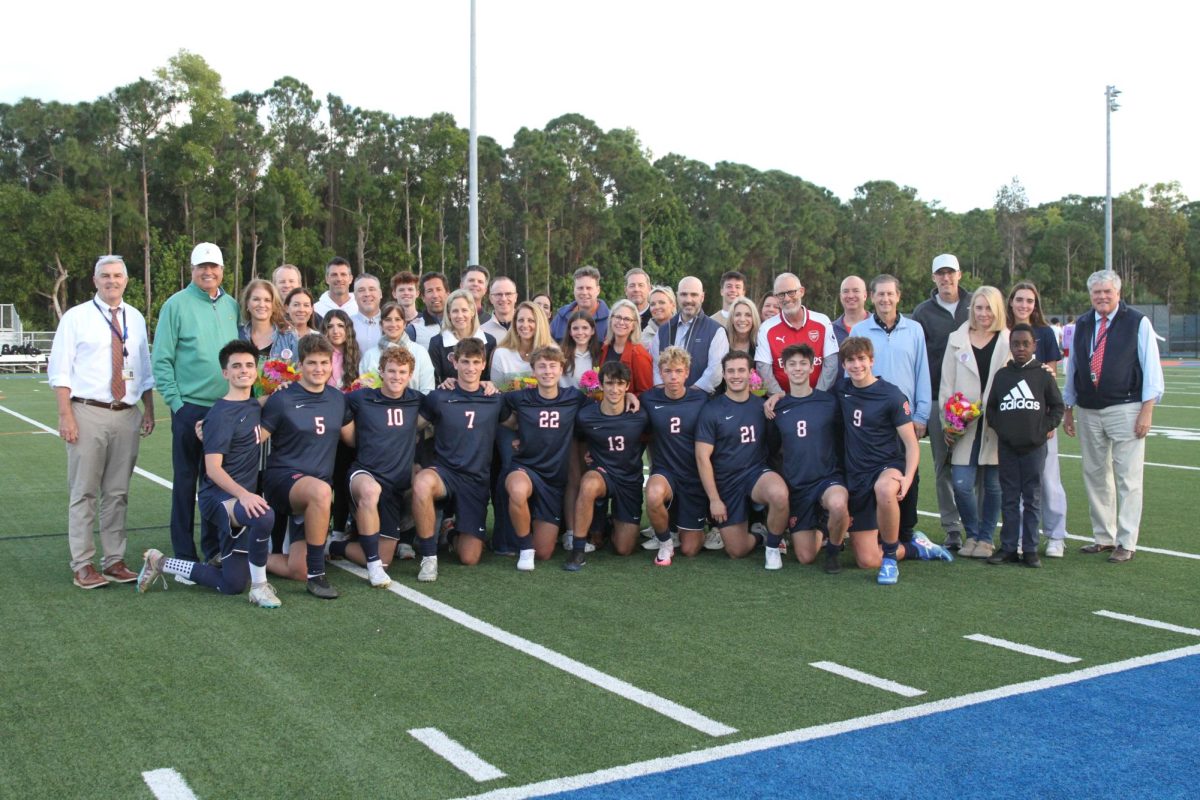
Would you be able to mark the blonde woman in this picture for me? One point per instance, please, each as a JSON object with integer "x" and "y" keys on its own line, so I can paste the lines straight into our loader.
{"x": 662, "y": 308}
{"x": 623, "y": 343}
{"x": 741, "y": 326}
{"x": 263, "y": 323}
{"x": 974, "y": 353}
{"x": 529, "y": 331}
{"x": 461, "y": 322}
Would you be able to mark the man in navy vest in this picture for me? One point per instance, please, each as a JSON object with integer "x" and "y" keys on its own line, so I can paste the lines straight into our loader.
{"x": 1114, "y": 379}
{"x": 699, "y": 334}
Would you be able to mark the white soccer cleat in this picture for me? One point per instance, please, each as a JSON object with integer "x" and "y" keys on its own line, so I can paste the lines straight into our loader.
{"x": 713, "y": 541}
{"x": 377, "y": 575}
{"x": 525, "y": 561}
{"x": 264, "y": 596}
{"x": 666, "y": 552}
{"x": 774, "y": 559}
{"x": 405, "y": 552}
{"x": 428, "y": 571}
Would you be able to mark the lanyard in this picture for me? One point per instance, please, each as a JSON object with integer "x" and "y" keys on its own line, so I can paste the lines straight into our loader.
{"x": 123, "y": 335}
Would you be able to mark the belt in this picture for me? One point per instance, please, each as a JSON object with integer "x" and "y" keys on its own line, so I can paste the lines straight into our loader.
{"x": 98, "y": 404}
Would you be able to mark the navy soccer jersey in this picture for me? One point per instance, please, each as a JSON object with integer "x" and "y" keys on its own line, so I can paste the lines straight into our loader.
{"x": 738, "y": 434}
{"x": 614, "y": 442}
{"x": 870, "y": 416}
{"x": 305, "y": 427}
{"x": 673, "y": 423}
{"x": 385, "y": 432}
{"x": 231, "y": 429}
{"x": 810, "y": 432}
{"x": 545, "y": 428}
{"x": 465, "y": 429}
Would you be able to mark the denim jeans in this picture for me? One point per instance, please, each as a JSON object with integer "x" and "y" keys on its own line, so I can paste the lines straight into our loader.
{"x": 977, "y": 495}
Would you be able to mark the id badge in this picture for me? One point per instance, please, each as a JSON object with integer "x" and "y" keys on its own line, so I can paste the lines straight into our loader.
{"x": 127, "y": 373}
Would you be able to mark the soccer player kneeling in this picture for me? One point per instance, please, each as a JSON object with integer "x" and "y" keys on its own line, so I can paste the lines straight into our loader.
{"x": 465, "y": 420}
{"x": 613, "y": 437}
{"x": 881, "y": 458}
{"x": 227, "y": 498}
{"x": 544, "y": 418}
{"x": 810, "y": 432}
{"x": 384, "y": 429}
{"x": 733, "y": 427}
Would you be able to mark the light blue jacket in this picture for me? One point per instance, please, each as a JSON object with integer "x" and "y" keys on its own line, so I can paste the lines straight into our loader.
{"x": 901, "y": 358}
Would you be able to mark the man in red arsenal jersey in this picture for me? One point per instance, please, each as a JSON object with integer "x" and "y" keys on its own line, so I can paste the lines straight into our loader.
{"x": 795, "y": 325}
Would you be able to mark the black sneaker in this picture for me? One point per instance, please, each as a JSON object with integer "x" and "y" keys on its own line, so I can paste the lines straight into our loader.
{"x": 1032, "y": 560}
{"x": 953, "y": 541}
{"x": 1005, "y": 557}
{"x": 833, "y": 562}
{"x": 320, "y": 587}
{"x": 576, "y": 561}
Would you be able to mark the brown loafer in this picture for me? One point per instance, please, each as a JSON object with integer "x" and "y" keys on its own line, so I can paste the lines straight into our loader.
{"x": 119, "y": 573}
{"x": 88, "y": 578}
{"x": 1096, "y": 548}
{"x": 1120, "y": 556}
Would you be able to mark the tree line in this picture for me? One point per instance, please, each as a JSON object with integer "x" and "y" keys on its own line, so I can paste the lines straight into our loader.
{"x": 282, "y": 176}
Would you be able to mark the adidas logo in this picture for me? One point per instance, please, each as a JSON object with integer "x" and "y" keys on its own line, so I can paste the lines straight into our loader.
{"x": 1019, "y": 398}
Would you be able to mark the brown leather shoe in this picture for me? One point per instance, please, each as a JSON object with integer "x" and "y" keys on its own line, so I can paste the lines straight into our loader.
{"x": 119, "y": 573}
{"x": 1096, "y": 548}
{"x": 88, "y": 578}
{"x": 1120, "y": 556}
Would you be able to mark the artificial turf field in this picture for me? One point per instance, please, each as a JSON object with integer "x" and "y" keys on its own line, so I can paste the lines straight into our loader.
{"x": 317, "y": 699}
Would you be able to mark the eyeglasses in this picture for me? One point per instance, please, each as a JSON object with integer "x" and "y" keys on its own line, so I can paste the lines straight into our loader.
{"x": 503, "y": 294}
{"x": 787, "y": 294}
{"x": 626, "y": 320}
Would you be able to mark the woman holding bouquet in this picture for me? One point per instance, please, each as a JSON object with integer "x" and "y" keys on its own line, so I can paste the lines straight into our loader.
{"x": 974, "y": 353}
{"x": 623, "y": 343}
{"x": 263, "y": 323}
{"x": 581, "y": 348}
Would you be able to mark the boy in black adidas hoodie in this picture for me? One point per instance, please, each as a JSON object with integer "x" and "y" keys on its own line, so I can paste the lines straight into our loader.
{"x": 1024, "y": 408}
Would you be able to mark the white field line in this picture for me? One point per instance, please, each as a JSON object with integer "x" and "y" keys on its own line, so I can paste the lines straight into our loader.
{"x": 150, "y": 476}
{"x": 167, "y": 784}
{"x": 557, "y": 660}
{"x": 695, "y": 757}
{"x": 459, "y": 757}
{"x": 1141, "y": 549}
{"x": 869, "y": 680}
{"x": 1193, "y": 408}
{"x": 1022, "y": 648}
{"x": 1147, "y": 463}
{"x": 1149, "y": 623}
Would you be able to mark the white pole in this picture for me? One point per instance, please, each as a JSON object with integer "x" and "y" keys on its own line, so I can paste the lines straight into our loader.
{"x": 473, "y": 159}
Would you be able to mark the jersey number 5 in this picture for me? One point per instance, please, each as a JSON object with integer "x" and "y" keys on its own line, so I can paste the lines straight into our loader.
{"x": 319, "y": 422}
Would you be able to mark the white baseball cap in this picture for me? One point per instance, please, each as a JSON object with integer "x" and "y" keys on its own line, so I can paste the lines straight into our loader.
{"x": 207, "y": 253}
{"x": 944, "y": 261}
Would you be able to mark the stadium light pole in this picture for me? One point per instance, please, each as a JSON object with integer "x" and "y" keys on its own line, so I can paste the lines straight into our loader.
{"x": 473, "y": 160}
{"x": 1110, "y": 105}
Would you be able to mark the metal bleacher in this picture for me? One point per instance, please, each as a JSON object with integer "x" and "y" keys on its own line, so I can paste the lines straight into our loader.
{"x": 12, "y": 335}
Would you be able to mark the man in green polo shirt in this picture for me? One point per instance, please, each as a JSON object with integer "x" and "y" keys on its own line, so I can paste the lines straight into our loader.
{"x": 193, "y": 325}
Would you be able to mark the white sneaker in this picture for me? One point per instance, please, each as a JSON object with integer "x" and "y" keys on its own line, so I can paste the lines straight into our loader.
{"x": 428, "y": 571}
{"x": 184, "y": 581}
{"x": 713, "y": 541}
{"x": 405, "y": 552}
{"x": 525, "y": 561}
{"x": 647, "y": 532}
{"x": 759, "y": 528}
{"x": 774, "y": 560}
{"x": 651, "y": 543}
{"x": 264, "y": 596}
{"x": 377, "y": 575}
{"x": 1055, "y": 548}
{"x": 666, "y": 551}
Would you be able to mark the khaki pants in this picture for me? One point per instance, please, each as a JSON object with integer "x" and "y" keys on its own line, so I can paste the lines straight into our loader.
{"x": 99, "y": 466}
{"x": 1112, "y": 472}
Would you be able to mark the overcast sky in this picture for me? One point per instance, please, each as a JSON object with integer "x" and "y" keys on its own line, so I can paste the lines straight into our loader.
{"x": 953, "y": 99}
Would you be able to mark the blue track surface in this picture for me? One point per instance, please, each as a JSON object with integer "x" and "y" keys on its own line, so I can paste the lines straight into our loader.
{"x": 1133, "y": 734}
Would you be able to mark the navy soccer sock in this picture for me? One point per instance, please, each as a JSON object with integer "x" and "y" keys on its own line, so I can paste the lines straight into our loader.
{"x": 524, "y": 542}
{"x": 427, "y": 547}
{"x": 315, "y": 558}
{"x": 889, "y": 550}
{"x": 369, "y": 545}
{"x": 773, "y": 539}
{"x": 664, "y": 536}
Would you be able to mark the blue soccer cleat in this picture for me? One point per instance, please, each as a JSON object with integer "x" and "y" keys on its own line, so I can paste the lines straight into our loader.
{"x": 889, "y": 573}
{"x": 927, "y": 550}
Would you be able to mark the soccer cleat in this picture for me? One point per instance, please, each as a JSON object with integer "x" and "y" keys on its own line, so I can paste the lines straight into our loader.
{"x": 774, "y": 559}
{"x": 927, "y": 550}
{"x": 576, "y": 561}
{"x": 378, "y": 576}
{"x": 320, "y": 587}
{"x": 666, "y": 552}
{"x": 713, "y": 541}
{"x": 405, "y": 552}
{"x": 833, "y": 563}
{"x": 651, "y": 543}
{"x": 428, "y": 571}
{"x": 525, "y": 560}
{"x": 183, "y": 580}
{"x": 889, "y": 573}
{"x": 1055, "y": 548}
{"x": 264, "y": 596}
{"x": 152, "y": 564}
